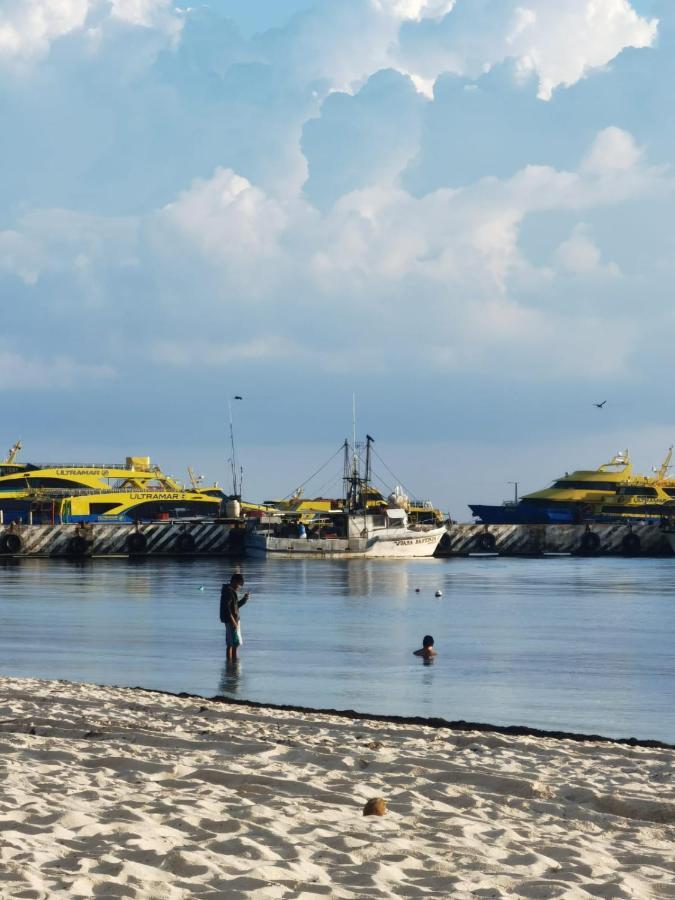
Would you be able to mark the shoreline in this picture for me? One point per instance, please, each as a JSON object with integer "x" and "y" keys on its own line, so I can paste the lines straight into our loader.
{"x": 436, "y": 722}
{"x": 427, "y": 722}
{"x": 136, "y": 793}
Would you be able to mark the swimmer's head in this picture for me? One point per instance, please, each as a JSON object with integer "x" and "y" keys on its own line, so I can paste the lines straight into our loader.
{"x": 427, "y": 641}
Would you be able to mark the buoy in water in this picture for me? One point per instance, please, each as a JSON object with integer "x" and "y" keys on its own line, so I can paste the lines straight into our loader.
{"x": 417, "y": 590}
{"x": 438, "y": 594}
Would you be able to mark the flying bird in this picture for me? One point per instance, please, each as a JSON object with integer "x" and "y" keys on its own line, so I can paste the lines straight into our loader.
{"x": 600, "y": 405}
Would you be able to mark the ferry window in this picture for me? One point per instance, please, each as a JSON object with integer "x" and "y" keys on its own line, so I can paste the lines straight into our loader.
{"x": 13, "y": 484}
{"x": 586, "y": 485}
{"x": 50, "y": 483}
{"x": 639, "y": 491}
{"x": 670, "y": 491}
{"x": 100, "y": 508}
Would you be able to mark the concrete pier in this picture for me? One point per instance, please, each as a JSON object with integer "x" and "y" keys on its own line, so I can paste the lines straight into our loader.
{"x": 224, "y": 538}
{"x": 616, "y": 539}
{"x": 211, "y": 538}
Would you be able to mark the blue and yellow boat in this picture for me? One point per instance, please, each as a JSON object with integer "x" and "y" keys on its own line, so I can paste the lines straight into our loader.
{"x": 612, "y": 491}
{"x": 134, "y": 491}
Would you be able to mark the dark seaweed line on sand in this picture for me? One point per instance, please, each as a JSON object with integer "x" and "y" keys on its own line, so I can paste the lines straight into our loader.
{"x": 460, "y": 725}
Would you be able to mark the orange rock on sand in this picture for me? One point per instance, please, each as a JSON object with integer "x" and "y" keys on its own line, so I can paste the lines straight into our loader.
{"x": 375, "y": 807}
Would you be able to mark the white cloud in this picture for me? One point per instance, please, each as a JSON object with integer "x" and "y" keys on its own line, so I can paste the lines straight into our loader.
{"x": 558, "y": 42}
{"x": 415, "y": 9}
{"x": 613, "y": 150}
{"x": 236, "y": 271}
{"x": 18, "y": 372}
{"x": 18, "y": 256}
{"x": 435, "y": 278}
{"x": 579, "y": 255}
{"x": 28, "y": 28}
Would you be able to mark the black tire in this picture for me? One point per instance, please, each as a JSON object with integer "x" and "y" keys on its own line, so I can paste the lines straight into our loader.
{"x": 486, "y": 542}
{"x": 631, "y": 544}
{"x": 77, "y": 546}
{"x": 186, "y": 543}
{"x": 10, "y": 543}
{"x": 137, "y": 543}
{"x": 590, "y": 542}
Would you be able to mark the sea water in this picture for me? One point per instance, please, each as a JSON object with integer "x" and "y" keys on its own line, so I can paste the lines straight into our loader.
{"x": 585, "y": 645}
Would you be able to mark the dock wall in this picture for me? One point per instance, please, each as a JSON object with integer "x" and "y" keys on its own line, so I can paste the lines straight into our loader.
{"x": 220, "y": 538}
{"x": 536, "y": 540}
{"x": 152, "y": 539}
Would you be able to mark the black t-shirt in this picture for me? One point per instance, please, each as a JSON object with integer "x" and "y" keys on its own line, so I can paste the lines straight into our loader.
{"x": 229, "y": 604}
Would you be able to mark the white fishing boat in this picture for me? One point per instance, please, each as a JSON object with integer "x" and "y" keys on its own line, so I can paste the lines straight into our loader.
{"x": 356, "y": 530}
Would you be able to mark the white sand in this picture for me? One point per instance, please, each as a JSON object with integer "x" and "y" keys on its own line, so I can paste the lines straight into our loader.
{"x": 109, "y": 792}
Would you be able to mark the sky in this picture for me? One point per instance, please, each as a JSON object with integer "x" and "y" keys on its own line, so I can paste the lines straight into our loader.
{"x": 458, "y": 211}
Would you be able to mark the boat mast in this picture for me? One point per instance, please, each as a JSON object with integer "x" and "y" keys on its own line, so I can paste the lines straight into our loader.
{"x": 233, "y": 458}
{"x": 347, "y": 477}
{"x": 366, "y": 480}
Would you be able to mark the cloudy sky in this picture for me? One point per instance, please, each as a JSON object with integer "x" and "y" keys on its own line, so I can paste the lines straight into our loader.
{"x": 460, "y": 210}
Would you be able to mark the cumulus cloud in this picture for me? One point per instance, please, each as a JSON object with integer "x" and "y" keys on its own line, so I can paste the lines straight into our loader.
{"x": 579, "y": 255}
{"x": 175, "y": 191}
{"x": 614, "y": 150}
{"x": 537, "y": 34}
{"x": 363, "y": 139}
{"x": 18, "y": 372}
{"x": 447, "y": 267}
{"x": 28, "y": 27}
{"x": 415, "y": 9}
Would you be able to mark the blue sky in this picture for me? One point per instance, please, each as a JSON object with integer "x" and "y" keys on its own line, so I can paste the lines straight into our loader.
{"x": 452, "y": 209}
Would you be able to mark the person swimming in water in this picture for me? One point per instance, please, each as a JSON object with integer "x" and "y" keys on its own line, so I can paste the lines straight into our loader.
{"x": 427, "y": 648}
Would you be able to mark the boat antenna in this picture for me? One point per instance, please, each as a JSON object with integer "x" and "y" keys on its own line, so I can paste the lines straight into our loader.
{"x": 369, "y": 442}
{"x": 13, "y": 451}
{"x": 233, "y": 458}
{"x": 662, "y": 471}
{"x": 348, "y": 477}
{"x": 354, "y": 421}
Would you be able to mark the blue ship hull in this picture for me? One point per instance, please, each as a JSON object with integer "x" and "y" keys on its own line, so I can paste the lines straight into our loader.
{"x": 527, "y": 514}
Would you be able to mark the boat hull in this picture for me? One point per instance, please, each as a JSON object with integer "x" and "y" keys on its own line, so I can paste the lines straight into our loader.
{"x": 525, "y": 514}
{"x": 411, "y": 545}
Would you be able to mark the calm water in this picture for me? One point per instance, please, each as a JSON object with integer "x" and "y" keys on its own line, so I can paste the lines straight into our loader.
{"x": 575, "y": 644}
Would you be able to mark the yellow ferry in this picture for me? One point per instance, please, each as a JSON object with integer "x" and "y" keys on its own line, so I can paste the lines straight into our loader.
{"x": 590, "y": 494}
{"x": 120, "y": 492}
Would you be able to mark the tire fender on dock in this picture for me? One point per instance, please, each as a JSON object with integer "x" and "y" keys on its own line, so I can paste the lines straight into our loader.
{"x": 186, "y": 543}
{"x": 77, "y": 546}
{"x": 486, "y": 541}
{"x": 10, "y": 543}
{"x": 137, "y": 543}
{"x": 631, "y": 544}
{"x": 590, "y": 542}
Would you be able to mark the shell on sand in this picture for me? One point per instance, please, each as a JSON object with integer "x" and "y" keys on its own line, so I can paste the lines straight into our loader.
{"x": 375, "y": 807}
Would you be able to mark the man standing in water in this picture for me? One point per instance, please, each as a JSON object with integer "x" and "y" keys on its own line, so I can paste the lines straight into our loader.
{"x": 230, "y": 604}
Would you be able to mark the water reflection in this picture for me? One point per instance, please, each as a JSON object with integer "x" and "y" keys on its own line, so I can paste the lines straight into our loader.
{"x": 229, "y": 677}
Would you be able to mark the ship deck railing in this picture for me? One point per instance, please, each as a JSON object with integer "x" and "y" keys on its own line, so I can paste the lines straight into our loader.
{"x": 61, "y": 493}
{"x": 90, "y": 465}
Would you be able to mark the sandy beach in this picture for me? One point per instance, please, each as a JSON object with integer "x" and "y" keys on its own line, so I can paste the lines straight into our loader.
{"x": 112, "y": 792}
